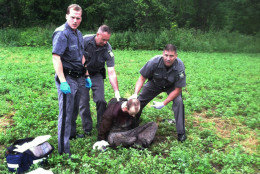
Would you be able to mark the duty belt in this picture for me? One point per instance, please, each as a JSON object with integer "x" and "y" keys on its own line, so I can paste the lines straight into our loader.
{"x": 73, "y": 73}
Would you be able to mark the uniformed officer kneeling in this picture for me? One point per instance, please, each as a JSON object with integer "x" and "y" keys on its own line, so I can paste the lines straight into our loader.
{"x": 165, "y": 73}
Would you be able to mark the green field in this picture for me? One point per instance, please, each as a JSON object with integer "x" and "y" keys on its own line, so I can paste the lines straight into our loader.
{"x": 222, "y": 110}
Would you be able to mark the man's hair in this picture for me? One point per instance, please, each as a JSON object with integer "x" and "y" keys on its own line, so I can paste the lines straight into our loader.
{"x": 104, "y": 28}
{"x": 170, "y": 47}
{"x": 133, "y": 103}
{"x": 75, "y": 7}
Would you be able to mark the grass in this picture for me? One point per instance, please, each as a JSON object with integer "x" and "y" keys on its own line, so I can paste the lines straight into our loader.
{"x": 221, "y": 107}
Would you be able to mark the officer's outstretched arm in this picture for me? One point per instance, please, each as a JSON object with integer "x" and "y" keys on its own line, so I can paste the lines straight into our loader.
{"x": 139, "y": 84}
{"x": 112, "y": 77}
{"x": 113, "y": 80}
{"x": 175, "y": 93}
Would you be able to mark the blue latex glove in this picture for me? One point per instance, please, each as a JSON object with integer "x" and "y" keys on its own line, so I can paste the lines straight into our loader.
{"x": 158, "y": 105}
{"x": 65, "y": 88}
{"x": 88, "y": 82}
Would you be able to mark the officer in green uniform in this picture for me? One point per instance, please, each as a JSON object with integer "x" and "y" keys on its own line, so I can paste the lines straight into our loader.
{"x": 98, "y": 52}
{"x": 165, "y": 73}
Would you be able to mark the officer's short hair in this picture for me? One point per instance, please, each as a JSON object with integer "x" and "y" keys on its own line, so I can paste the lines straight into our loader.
{"x": 133, "y": 105}
{"x": 104, "y": 28}
{"x": 75, "y": 7}
{"x": 170, "y": 47}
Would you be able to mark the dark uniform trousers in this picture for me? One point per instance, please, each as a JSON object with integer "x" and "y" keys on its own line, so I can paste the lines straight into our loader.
{"x": 98, "y": 97}
{"x": 68, "y": 111}
{"x": 150, "y": 91}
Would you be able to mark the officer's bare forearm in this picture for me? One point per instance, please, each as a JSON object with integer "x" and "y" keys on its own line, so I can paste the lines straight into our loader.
{"x": 139, "y": 84}
{"x": 112, "y": 78}
{"x": 175, "y": 93}
{"x": 57, "y": 64}
{"x": 113, "y": 82}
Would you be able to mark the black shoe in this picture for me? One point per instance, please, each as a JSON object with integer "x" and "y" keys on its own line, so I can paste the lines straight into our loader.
{"x": 182, "y": 137}
{"x": 77, "y": 136}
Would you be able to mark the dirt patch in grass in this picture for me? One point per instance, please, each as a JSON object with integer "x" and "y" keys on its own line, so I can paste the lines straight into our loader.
{"x": 229, "y": 128}
{"x": 6, "y": 121}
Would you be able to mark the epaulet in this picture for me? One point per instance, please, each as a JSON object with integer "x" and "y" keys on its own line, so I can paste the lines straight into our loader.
{"x": 60, "y": 28}
{"x": 88, "y": 35}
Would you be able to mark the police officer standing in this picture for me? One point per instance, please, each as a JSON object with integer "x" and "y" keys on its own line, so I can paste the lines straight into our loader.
{"x": 97, "y": 52}
{"x": 165, "y": 73}
{"x": 68, "y": 59}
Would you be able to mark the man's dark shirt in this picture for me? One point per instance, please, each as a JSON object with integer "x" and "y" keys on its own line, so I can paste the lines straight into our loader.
{"x": 115, "y": 120}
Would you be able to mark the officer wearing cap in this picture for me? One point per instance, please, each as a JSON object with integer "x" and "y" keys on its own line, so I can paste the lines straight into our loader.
{"x": 165, "y": 73}
{"x": 98, "y": 52}
{"x": 68, "y": 59}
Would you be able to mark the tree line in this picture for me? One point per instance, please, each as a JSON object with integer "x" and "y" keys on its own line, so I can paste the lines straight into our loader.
{"x": 137, "y": 15}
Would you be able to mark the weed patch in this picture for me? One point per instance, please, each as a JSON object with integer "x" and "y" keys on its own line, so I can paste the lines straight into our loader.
{"x": 230, "y": 130}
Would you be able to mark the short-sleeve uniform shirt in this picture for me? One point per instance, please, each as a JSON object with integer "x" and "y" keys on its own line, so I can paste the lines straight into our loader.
{"x": 163, "y": 77}
{"x": 69, "y": 46}
{"x": 96, "y": 57}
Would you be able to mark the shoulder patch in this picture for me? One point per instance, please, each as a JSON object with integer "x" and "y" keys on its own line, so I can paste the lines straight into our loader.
{"x": 111, "y": 53}
{"x": 181, "y": 74}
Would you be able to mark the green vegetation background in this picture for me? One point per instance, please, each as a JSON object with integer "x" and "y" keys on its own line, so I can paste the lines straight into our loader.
{"x": 221, "y": 108}
{"x": 138, "y": 15}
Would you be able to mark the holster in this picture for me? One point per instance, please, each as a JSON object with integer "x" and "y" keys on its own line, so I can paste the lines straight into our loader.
{"x": 102, "y": 72}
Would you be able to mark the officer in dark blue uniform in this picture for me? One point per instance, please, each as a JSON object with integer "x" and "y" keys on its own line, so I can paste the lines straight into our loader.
{"x": 165, "y": 73}
{"x": 98, "y": 52}
{"x": 68, "y": 59}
